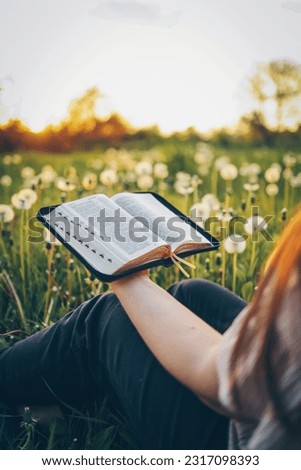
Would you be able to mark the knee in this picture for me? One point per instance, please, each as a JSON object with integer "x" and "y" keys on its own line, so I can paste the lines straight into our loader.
{"x": 107, "y": 301}
{"x": 191, "y": 288}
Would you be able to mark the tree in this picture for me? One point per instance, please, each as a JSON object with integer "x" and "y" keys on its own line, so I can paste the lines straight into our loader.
{"x": 82, "y": 111}
{"x": 276, "y": 86}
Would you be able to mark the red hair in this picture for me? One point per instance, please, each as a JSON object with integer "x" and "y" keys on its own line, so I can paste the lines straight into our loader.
{"x": 284, "y": 261}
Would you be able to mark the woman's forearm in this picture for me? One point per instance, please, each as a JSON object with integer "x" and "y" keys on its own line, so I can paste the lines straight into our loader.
{"x": 183, "y": 343}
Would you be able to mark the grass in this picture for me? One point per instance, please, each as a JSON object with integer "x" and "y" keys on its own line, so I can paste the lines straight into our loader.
{"x": 40, "y": 282}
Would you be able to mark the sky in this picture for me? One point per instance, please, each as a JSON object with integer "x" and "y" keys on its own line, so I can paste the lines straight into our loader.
{"x": 175, "y": 63}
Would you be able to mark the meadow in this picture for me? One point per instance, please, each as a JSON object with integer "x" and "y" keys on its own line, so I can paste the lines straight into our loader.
{"x": 41, "y": 281}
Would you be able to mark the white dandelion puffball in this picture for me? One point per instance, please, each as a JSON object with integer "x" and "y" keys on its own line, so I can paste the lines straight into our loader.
{"x": 220, "y": 162}
{"x": 143, "y": 168}
{"x": 130, "y": 177}
{"x": 203, "y": 170}
{"x": 145, "y": 182}
{"x": 235, "y": 244}
{"x": 251, "y": 188}
{"x": 6, "y": 180}
{"x": 108, "y": 177}
{"x": 184, "y": 177}
{"x": 89, "y": 181}
{"x": 29, "y": 194}
{"x": 254, "y": 169}
{"x": 6, "y": 213}
{"x": 289, "y": 160}
{"x": 277, "y": 166}
{"x": 244, "y": 169}
{"x": 203, "y": 155}
{"x": 71, "y": 173}
{"x": 7, "y": 160}
{"x": 27, "y": 172}
{"x": 229, "y": 172}
{"x": 272, "y": 175}
{"x": 48, "y": 174}
{"x": 20, "y": 202}
{"x": 211, "y": 201}
{"x": 287, "y": 174}
{"x": 16, "y": 159}
{"x": 272, "y": 189}
{"x": 295, "y": 181}
{"x": 200, "y": 212}
{"x": 64, "y": 184}
{"x": 183, "y": 187}
{"x": 254, "y": 224}
{"x": 161, "y": 170}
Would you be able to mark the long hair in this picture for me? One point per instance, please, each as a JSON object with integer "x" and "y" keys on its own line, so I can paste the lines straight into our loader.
{"x": 263, "y": 313}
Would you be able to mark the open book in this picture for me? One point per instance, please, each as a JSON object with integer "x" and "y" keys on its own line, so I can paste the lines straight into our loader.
{"x": 128, "y": 232}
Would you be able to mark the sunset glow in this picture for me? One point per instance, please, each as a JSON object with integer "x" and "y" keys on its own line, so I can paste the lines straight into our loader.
{"x": 172, "y": 63}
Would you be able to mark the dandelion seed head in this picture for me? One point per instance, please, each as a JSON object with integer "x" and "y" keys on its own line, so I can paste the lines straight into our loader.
{"x": 89, "y": 181}
{"x": 272, "y": 175}
{"x": 203, "y": 170}
{"x": 145, "y": 182}
{"x": 48, "y": 174}
{"x": 108, "y": 177}
{"x": 220, "y": 162}
{"x": 211, "y": 201}
{"x": 20, "y": 202}
{"x": 235, "y": 244}
{"x": 251, "y": 188}
{"x": 289, "y": 160}
{"x": 7, "y": 160}
{"x": 200, "y": 212}
{"x": 27, "y": 172}
{"x": 143, "y": 168}
{"x": 6, "y": 180}
{"x": 29, "y": 195}
{"x": 295, "y": 181}
{"x": 183, "y": 188}
{"x": 160, "y": 170}
{"x": 6, "y": 213}
{"x": 16, "y": 159}
{"x": 64, "y": 184}
{"x": 272, "y": 189}
{"x": 229, "y": 172}
{"x": 254, "y": 224}
{"x": 203, "y": 155}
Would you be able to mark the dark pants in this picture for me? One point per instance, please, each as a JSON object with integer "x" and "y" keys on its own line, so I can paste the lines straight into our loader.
{"x": 96, "y": 347}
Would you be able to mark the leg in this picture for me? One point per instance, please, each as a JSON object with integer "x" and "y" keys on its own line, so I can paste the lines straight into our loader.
{"x": 97, "y": 346}
{"x": 49, "y": 367}
{"x": 162, "y": 413}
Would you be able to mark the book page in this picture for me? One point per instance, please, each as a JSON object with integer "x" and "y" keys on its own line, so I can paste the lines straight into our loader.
{"x": 99, "y": 255}
{"x": 111, "y": 228}
{"x": 162, "y": 221}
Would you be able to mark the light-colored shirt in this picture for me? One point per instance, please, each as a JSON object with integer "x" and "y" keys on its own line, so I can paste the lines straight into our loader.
{"x": 260, "y": 429}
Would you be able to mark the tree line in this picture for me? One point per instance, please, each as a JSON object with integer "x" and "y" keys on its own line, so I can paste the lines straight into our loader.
{"x": 275, "y": 88}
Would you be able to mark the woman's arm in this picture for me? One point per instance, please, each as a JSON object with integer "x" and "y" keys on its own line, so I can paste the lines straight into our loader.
{"x": 183, "y": 343}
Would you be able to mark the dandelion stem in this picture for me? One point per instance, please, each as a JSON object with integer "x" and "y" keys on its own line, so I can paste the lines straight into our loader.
{"x": 2, "y": 239}
{"x": 49, "y": 283}
{"x": 253, "y": 254}
{"x": 223, "y": 265}
{"x": 286, "y": 193}
{"x": 234, "y": 273}
{"x": 26, "y": 248}
{"x": 22, "y": 252}
{"x": 16, "y": 298}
